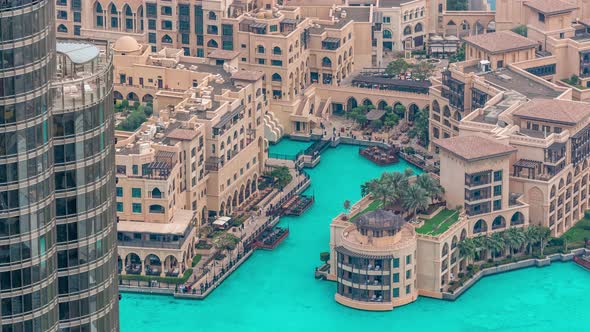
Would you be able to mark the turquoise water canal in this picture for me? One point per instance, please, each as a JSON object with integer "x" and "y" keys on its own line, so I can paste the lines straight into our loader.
{"x": 276, "y": 290}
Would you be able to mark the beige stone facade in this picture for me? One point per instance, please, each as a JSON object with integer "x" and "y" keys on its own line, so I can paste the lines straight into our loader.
{"x": 200, "y": 155}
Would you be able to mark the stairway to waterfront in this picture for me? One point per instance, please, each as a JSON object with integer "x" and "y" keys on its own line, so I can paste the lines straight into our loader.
{"x": 273, "y": 130}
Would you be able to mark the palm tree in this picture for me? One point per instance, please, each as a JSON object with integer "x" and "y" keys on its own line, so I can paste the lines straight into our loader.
{"x": 512, "y": 238}
{"x": 397, "y": 183}
{"x": 531, "y": 237}
{"x": 467, "y": 249}
{"x": 408, "y": 172}
{"x": 432, "y": 188}
{"x": 493, "y": 244}
{"x": 544, "y": 234}
{"x": 414, "y": 198}
{"x": 377, "y": 188}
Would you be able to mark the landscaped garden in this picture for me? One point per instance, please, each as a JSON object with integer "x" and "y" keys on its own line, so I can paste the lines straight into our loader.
{"x": 439, "y": 223}
{"x": 579, "y": 234}
{"x": 134, "y": 114}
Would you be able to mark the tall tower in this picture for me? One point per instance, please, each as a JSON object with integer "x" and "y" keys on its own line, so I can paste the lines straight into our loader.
{"x": 57, "y": 217}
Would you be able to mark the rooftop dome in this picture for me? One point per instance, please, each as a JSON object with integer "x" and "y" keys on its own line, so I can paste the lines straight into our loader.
{"x": 380, "y": 220}
{"x": 126, "y": 44}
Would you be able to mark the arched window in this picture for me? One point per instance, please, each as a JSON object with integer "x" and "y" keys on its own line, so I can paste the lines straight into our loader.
{"x": 99, "y": 17}
{"x": 62, "y": 28}
{"x": 326, "y": 62}
{"x": 166, "y": 39}
{"x": 212, "y": 16}
{"x": 407, "y": 30}
{"x": 156, "y": 193}
{"x": 480, "y": 226}
{"x": 418, "y": 27}
{"x": 113, "y": 9}
{"x": 276, "y": 77}
{"x": 260, "y": 49}
{"x": 128, "y": 11}
{"x": 212, "y": 43}
{"x": 156, "y": 208}
{"x": 387, "y": 34}
{"x": 276, "y": 50}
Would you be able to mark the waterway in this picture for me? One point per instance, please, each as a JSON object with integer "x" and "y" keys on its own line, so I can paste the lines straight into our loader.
{"x": 276, "y": 291}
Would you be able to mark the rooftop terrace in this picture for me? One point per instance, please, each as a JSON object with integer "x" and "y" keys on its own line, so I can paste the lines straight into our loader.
{"x": 439, "y": 223}
{"x": 508, "y": 79}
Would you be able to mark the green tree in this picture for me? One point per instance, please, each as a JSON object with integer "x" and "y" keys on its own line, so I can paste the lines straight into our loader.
{"x": 494, "y": 244}
{"x": 531, "y": 235}
{"x": 544, "y": 234}
{"x": 457, "y": 5}
{"x": 397, "y": 67}
{"x": 136, "y": 104}
{"x": 400, "y": 111}
{"x": 282, "y": 176}
{"x": 422, "y": 70}
{"x": 430, "y": 185}
{"x": 125, "y": 104}
{"x": 467, "y": 249}
{"x": 414, "y": 198}
{"x": 513, "y": 238}
{"x": 459, "y": 56}
{"x": 133, "y": 121}
{"x": 521, "y": 30}
{"x": 376, "y": 124}
{"x": 391, "y": 120}
{"x": 225, "y": 241}
{"x": 421, "y": 126}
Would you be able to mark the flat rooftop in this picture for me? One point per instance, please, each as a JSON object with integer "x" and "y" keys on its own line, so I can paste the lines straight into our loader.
{"x": 181, "y": 220}
{"x": 508, "y": 79}
{"x": 392, "y": 3}
{"x": 473, "y": 147}
{"x": 501, "y": 41}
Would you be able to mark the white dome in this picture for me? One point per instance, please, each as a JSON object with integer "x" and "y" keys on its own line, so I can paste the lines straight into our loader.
{"x": 126, "y": 44}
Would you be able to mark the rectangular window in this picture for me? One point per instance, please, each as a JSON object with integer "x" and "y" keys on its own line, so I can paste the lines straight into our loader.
{"x": 136, "y": 207}
{"x": 396, "y": 262}
{"x": 62, "y": 15}
{"x": 408, "y": 259}
{"x": 151, "y": 38}
{"x": 77, "y": 30}
{"x": 166, "y": 25}
{"x": 199, "y": 40}
{"x": 541, "y": 17}
{"x": 273, "y": 28}
{"x": 498, "y": 176}
{"x": 408, "y": 274}
{"x": 396, "y": 292}
{"x": 408, "y": 289}
{"x": 77, "y": 17}
{"x": 200, "y": 53}
{"x": 185, "y": 38}
{"x": 227, "y": 29}
{"x": 151, "y": 10}
{"x": 151, "y": 24}
{"x": 135, "y": 169}
{"x": 497, "y": 204}
{"x": 276, "y": 62}
{"x": 227, "y": 45}
{"x": 261, "y": 61}
{"x": 497, "y": 190}
{"x": 396, "y": 277}
{"x": 119, "y": 206}
{"x": 386, "y": 19}
{"x": 136, "y": 192}
{"x": 166, "y": 10}
{"x": 119, "y": 191}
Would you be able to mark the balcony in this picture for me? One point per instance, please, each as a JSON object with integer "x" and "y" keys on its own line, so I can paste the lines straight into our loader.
{"x": 478, "y": 179}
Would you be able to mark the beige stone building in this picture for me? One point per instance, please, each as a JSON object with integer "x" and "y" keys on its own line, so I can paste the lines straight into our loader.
{"x": 380, "y": 261}
{"x": 199, "y": 156}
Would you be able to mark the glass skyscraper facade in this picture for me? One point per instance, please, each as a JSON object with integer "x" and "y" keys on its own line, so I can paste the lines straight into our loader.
{"x": 57, "y": 216}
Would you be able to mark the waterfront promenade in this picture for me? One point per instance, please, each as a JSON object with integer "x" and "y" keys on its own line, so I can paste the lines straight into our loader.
{"x": 211, "y": 272}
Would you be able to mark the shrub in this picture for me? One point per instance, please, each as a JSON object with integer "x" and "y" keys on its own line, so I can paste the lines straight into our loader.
{"x": 196, "y": 260}
{"x": 169, "y": 280}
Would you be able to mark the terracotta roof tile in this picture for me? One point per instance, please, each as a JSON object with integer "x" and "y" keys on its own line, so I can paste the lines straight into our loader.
{"x": 182, "y": 134}
{"x": 501, "y": 41}
{"x": 551, "y": 6}
{"x": 474, "y": 147}
{"x": 223, "y": 54}
{"x": 554, "y": 110}
{"x": 247, "y": 75}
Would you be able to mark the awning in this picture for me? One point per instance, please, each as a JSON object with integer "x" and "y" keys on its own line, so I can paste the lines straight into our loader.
{"x": 375, "y": 114}
{"x": 331, "y": 40}
{"x": 221, "y": 221}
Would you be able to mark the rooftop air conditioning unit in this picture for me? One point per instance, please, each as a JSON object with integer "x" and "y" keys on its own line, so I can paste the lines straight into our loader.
{"x": 485, "y": 66}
